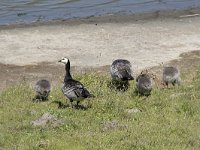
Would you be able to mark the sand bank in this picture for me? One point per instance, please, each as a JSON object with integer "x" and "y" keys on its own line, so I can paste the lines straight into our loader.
{"x": 144, "y": 42}
{"x": 97, "y": 42}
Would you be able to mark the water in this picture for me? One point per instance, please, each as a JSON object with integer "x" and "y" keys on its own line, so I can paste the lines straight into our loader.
{"x": 27, "y": 11}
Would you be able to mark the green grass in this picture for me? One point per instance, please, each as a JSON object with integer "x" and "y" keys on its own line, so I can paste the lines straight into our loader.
{"x": 170, "y": 118}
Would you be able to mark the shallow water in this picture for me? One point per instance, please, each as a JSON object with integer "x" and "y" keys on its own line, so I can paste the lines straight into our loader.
{"x": 26, "y": 11}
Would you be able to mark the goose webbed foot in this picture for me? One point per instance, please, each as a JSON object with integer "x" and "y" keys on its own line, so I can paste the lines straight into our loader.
{"x": 61, "y": 105}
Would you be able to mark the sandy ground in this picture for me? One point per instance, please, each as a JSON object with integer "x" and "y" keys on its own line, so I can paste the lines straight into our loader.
{"x": 26, "y": 51}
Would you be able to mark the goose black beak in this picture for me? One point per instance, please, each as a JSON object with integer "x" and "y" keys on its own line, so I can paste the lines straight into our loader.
{"x": 59, "y": 61}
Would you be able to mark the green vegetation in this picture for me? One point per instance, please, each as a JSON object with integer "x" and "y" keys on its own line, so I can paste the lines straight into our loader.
{"x": 169, "y": 118}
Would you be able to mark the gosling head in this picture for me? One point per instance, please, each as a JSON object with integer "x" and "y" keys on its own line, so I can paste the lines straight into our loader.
{"x": 64, "y": 60}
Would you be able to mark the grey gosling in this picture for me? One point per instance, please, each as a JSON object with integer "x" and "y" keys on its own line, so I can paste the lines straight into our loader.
{"x": 171, "y": 75}
{"x": 72, "y": 89}
{"x": 42, "y": 90}
{"x": 144, "y": 84}
{"x": 121, "y": 73}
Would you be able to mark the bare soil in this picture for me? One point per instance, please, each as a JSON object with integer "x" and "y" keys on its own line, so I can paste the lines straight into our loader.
{"x": 12, "y": 75}
{"x": 29, "y": 53}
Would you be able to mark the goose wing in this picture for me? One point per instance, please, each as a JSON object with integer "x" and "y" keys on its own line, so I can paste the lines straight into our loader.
{"x": 74, "y": 89}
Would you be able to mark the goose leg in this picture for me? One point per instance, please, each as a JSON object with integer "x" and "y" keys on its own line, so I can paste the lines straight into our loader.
{"x": 166, "y": 83}
{"x": 71, "y": 103}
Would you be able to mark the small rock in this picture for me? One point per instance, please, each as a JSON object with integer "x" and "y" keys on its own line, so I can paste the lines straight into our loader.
{"x": 47, "y": 118}
{"x": 43, "y": 144}
{"x": 57, "y": 123}
{"x": 176, "y": 95}
{"x": 33, "y": 112}
{"x": 110, "y": 125}
{"x": 133, "y": 110}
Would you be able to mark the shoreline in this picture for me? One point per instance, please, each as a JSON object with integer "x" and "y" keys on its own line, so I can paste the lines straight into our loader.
{"x": 144, "y": 42}
{"x": 111, "y": 18}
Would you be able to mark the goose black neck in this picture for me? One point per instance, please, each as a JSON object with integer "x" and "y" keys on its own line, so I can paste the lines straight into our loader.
{"x": 67, "y": 69}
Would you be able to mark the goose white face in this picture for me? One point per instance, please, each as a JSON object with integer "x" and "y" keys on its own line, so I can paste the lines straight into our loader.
{"x": 64, "y": 60}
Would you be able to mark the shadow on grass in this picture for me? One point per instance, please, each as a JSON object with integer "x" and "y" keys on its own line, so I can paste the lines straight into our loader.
{"x": 118, "y": 85}
{"x": 65, "y": 106}
{"x": 39, "y": 99}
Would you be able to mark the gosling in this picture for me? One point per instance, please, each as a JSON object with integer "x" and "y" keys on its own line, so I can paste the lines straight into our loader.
{"x": 42, "y": 90}
{"x": 144, "y": 85}
{"x": 171, "y": 75}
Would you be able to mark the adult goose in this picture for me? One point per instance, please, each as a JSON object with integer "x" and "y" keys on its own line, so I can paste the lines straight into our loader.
{"x": 42, "y": 89}
{"x": 171, "y": 75}
{"x": 144, "y": 84}
{"x": 73, "y": 89}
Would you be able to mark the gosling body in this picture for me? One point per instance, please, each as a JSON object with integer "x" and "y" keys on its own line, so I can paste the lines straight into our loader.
{"x": 42, "y": 89}
{"x": 144, "y": 84}
{"x": 171, "y": 75}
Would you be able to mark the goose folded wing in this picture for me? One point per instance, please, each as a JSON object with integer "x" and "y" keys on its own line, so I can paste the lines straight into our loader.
{"x": 76, "y": 89}
{"x": 81, "y": 92}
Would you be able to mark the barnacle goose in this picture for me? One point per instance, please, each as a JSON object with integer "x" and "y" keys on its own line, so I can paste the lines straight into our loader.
{"x": 171, "y": 75}
{"x": 42, "y": 89}
{"x": 73, "y": 89}
{"x": 144, "y": 84}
